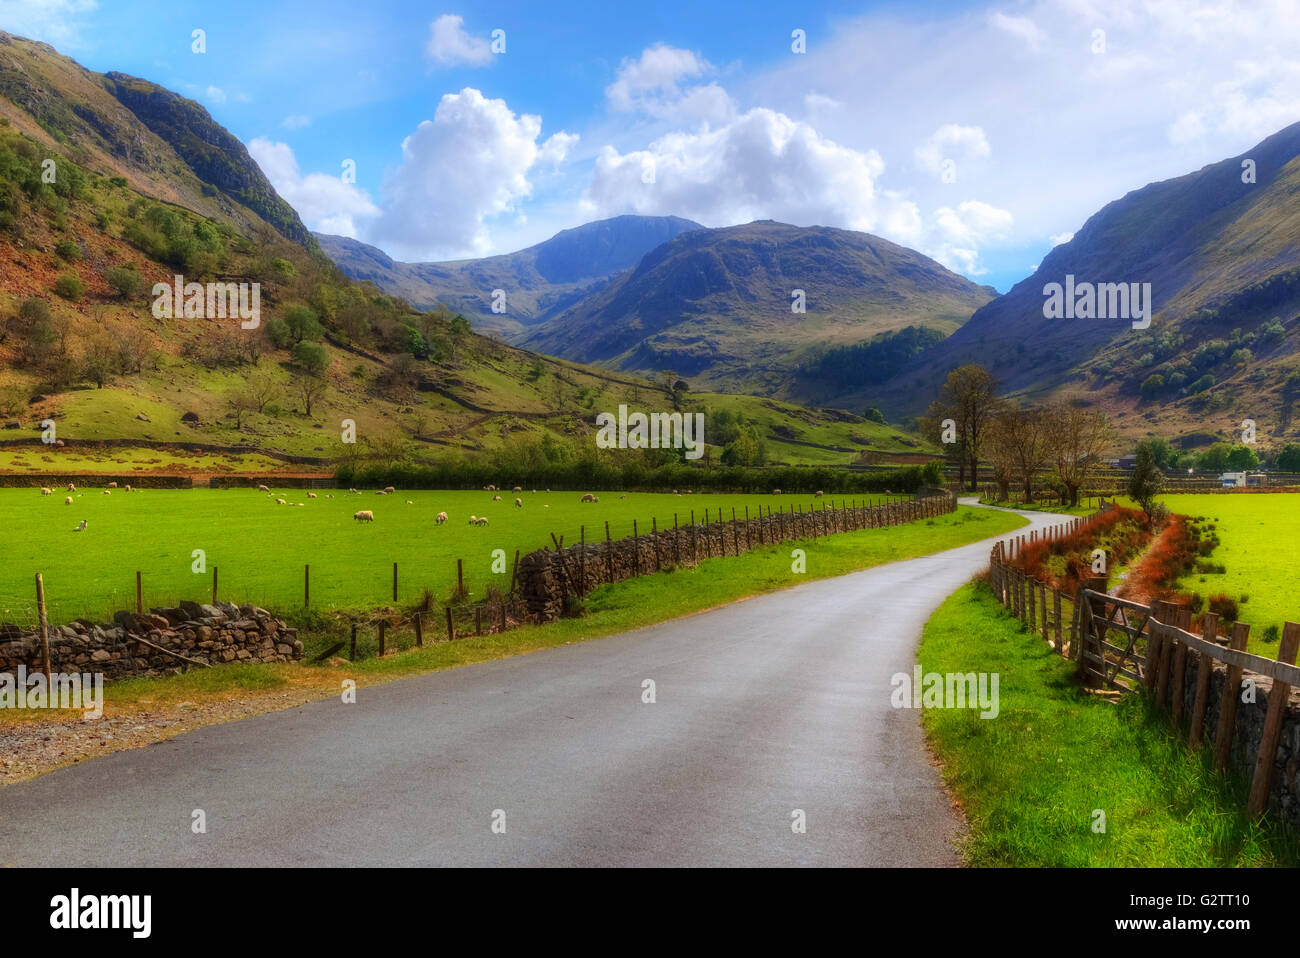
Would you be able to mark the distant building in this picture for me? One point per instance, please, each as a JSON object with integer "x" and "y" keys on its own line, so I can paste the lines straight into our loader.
{"x": 1127, "y": 462}
{"x": 1230, "y": 479}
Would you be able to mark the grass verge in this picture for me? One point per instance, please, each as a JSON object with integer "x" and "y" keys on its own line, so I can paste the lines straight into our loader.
{"x": 1033, "y": 779}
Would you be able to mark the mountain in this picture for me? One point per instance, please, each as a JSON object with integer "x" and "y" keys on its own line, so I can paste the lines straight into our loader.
{"x": 168, "y": 148}
{"x": 717, "y": 305}
{"x": 539, "y": 282}
{"x": 1220, "y": 248}
{"x": 147, "y": 186}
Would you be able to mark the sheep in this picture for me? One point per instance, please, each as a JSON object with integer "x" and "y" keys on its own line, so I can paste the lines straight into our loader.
{"x": 279, "y": 502}
{"x": 108, "y": 492}
{"x": 263, "y": 489}
{"x": 496, "y": 498}
{"x": 482, "y": 521}
{"x": 473, "y": 520}
{"x": 519, "y": 503}
{"x": 776, "y": 492}
{"x": 71, "y": 487}
{"x": 45, "y": 491}
{"x": 328, "y": 496}
{"x": 353, "y": 490}
{"x": 389, "y": 490}
{"x": 440, "y": 518}
{"x": 409, "y": 502}
{"x": 491, "y": 488}
{"x": 112, "y": 485}
{"x": 365, "y": 515}
{"x": 589, "y": 498}
{"x": 818, "y": 494}
{"x": 128, "y": 488}
{"x": 311, "y": 495}
{"x": 82, "y": 527}
{"x": 67, "y": 500}
{"x": 517, "y": 489}
{"x": 623, "y": 496}
{"x": 381, "y": 493}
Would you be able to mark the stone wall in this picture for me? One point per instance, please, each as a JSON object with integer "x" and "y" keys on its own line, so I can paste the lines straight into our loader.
{"x": 207, "y": 633}
{"x": 59, "y": 481}
{"x": 1249, "y": 729}
{"x": 547, "y": 578}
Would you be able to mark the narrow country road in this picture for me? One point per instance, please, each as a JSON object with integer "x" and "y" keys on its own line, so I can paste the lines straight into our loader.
{"x": 778, "y": 703}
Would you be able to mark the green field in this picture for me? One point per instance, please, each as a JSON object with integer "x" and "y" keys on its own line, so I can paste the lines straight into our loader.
{"x": 1260, "y": 549}
{"x": 260, "y": 548}
{"x": 1033, "y": 779}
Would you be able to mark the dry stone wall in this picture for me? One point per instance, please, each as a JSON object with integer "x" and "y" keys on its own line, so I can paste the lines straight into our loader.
{"x": 547, "y": 578}
{"x": 212, "y": 634}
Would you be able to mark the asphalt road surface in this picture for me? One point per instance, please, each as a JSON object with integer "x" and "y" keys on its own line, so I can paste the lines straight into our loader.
{"x": 764, "y": 707}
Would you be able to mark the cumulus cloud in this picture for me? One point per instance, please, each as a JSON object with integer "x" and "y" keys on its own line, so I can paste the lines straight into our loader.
{"x": 1060, "y": 239}
{"x": 762, "y": 165}
{"x": 450, "y": 45}
{"x": 214, "y": 94}
{"x": 957, "y": 233}
{"x": 663, "y": 83}
{"x": 470, "y": 163}
{"x": 952, "y": 142}
{"x": 295, "y": 122}
{"x": 325, "y": 203}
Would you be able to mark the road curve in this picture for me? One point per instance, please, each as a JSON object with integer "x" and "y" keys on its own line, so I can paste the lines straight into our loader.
{"x": 777, "y": 703}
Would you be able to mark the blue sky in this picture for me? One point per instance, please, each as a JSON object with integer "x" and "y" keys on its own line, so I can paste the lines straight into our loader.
{"x": 979, "y": 133}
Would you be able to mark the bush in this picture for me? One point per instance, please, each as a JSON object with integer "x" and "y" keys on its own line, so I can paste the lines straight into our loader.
{"x": 69, "y": 287}
{"x": 1152, "y": 386}
{"x": 124, "y": 280}
{"x": 68, "y": 251}
{"x": 1224, "y": 606}
{"x": 278, "y": 332}
{"x": 312, "y": 357}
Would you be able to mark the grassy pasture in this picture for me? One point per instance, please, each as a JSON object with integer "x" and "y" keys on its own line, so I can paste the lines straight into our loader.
{"x": 260, "y": 548}
{"x": 1260, "y": 549}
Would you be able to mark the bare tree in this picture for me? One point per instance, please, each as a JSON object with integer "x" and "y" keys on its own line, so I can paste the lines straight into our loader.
{"x": 969, "y": 399}
{"x": 262, "y": 388}
{"x": 310, "y": 387}
{"x": 240, "y": 405}
{"x": 1077, "y": 440}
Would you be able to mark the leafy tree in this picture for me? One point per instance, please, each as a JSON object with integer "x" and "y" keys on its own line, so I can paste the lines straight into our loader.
{"x": 1153, "y": 386}
{"x": 311, "y": 357}
{"x": 1146, "y": 481}
{"x": 1215, "y": 459}
{"x": 277, "y": 331}
{"x": 1242, "y": 457}
{"x": 1288, "y": 460}
{"x": 969, "y": 398}
{"x": 303, "y": 325}
{"x": 1077, "y": 440}
{"x": 1164, "y": 455}
{"x": 875, "y": 415}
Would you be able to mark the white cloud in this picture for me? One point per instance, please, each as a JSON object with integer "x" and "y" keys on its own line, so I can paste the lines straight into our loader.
{"x": 468, "y": 164}
{"x": 661, "y": 83}
{"x": 214, "y": 94}
{"x": 952, "y": 142}
{"x": 958, "y": 233}
{"x": 295, "y": 122}
{"x": 450, "y": 45}
{"x": 324, "y": 202}
{"x": 53, "y": 21}
{"x": 1060, "y": 239}
{"x": 1022, "y": 28}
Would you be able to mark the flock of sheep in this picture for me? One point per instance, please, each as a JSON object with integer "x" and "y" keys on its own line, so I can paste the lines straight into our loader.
{"x": 72, "y": 487}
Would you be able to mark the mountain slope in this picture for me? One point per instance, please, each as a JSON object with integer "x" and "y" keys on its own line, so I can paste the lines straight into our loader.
{"x": 716, "y": 305}
{"x": 166, "y": 146}
{"x": 1223, "y": 260}
{"x": 539, "y": 282}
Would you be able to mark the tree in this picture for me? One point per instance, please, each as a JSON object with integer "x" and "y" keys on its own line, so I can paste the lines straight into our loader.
{"x": 875, "y": 415}
{"x": 1215, "y": 459}
{"x": 303, "y": 325}
{"x": 1241, "y": 457}
{"x": 1020, "y": 433}
{"x": 1153, "y": 386}
{"x": 1001, "y": 458}
{"x": 240, "y": 405}
{"x": 1077, "y": 439}
{"x": 310, "y": 387}
{"x": 969, "y": 399}
{"x": 263, "y": 389}
{"x": 1162, "y": 453}
{"x": 126, "y": 282}
{"x": 1146, "y": 482}
{"x": 1288, "y": 460}
{"x": 311, "y": 357}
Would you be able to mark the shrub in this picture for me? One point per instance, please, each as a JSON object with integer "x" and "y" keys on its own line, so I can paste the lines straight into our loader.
{"x": 69, "y": 287}
{"x": 1224, "y": 606}
{"x": 124, "y": 280}
{"x": 1152, "y": 386}
{"x": 1271, "y": 634}
{"x": 68, "y": 251}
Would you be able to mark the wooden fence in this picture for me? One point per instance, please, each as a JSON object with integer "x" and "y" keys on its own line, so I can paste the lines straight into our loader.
{"x": 1126, "y": 646}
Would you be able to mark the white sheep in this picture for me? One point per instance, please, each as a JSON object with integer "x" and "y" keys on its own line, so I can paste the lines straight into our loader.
{"x": 365, "y": 515}
{"x": 45, "y": 491}
{"x": 128, "y": 488}
{"x": 112, "y": 485}
{"x": 440, "y": 518}
{"x": 280, "y": 502}
{"x": 496, "y": 498}
{"x": 818, "y": 494}
{"x": 519, "y": 503}
{"x": 482, "y": 521}
{"x": 67, "y": 500}
{"x": 82, "y": 527}
{"x": 590, "y": 498}
{"x": 517, "y": 489}
{"x": 311, "y": 495}
{"x": 389, "y": 490}
{"x": 71, "y": 487}
{"x": 353, "y": 490}
{"x": 263, "y": 488}
{"x": 108, "y": 492}
{"x": 473, "y": 520}
{"x": 623, "y": 496}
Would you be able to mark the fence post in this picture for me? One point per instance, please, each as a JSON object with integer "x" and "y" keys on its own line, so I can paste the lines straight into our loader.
{"x": 1205, "y": 665}
{"x": 139, "y": 595}
{"x": 45, "y": 635}
{"x": 1155, "y": 640}
{"x": 395, "y": 580}
{"x": 1042, "y": 596}
{"x": 1167, "y": 646}
{"x": 1228, "y": 701}
{"x": 1180, "y": 666}
{"x": 478, "y": 620}
{"x": 214, "y": 585}
{"x": 419, "y": 628}
{"x": 460, "y": 578}
{"x": 1056, "y": 614}
{"x": 1277, "y": 700}
{"x": 1030, "y": 582}
{"x": 451, "y": 631}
